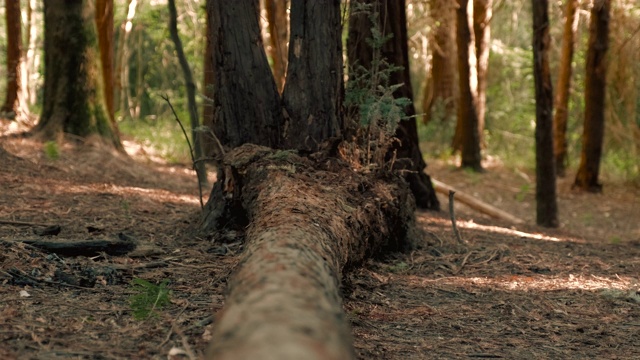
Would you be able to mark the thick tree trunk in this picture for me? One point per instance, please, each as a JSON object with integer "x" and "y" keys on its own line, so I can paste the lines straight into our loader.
{"x": 313, "y": 94}
{"x": 307, "y": 225}
{"x": 278, "y": 38}
{"x": 482, "y": 14}
{"x": 104, "y": 21}
{"x": 441, "y": 91}
{"x": 11, "y": 106}
{"x": 73, "y": 93}
{"x": 547, "y": 208}
{"x": 563, "y": 88}
{"x": 199, "y": 165}
{"x": 392, "y": 18}
{"x": 594, "y": 98}
{"x": 467, "y": 137}
{"x": 258, "y": 118}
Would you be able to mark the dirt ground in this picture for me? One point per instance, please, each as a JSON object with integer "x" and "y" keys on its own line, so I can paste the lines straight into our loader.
{"x": 511, "y": 292}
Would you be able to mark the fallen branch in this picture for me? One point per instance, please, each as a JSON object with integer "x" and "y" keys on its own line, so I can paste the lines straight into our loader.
{"x": 475, "y": 203}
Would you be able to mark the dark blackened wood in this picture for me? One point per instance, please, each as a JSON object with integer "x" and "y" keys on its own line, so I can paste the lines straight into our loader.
{"x": 594, "y": 96}
{"x": 546, "y": 203}
{"x": 393, "y": 20}
{"x": 313, "y": 91}
{"x": 246, "y": 101}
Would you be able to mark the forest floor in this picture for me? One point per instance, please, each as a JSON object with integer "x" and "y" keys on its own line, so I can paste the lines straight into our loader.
{"x": 514, "y": 292}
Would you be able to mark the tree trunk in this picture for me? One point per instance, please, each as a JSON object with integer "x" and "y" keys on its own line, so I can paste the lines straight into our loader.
{"x": 104, "y": 21}
{"x": 467, "y": 137}
{"x": 236, "y": 48}
{"x": 313, "y": 94}
{"x": 296, "y": 251}
{"x": 546, "y": 205}
{"x": 73, "y": 92}
{"x": 199, "y": 165}
{"x": 122, "y": 61}
{"x": 440, "y": 95}
{"x": 306, "y": 218}
{"x": 33, "y": 55}
{"x": 564, "y": 87}
{"x": 594, "y": 98}
{"x": 11, "y": 106}
{"x": 392, "y": 20}
{"x": 482, "y": 14}
{"x": 278, "y": 38}
{"x": 208, "y": 141}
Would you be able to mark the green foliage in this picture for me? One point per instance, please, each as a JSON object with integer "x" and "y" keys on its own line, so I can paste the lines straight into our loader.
{"x": 370, "y": 94}
{"x": 162, "y": 135}
{"x": 148, "y": 298}
{"x": 51, "y": 150}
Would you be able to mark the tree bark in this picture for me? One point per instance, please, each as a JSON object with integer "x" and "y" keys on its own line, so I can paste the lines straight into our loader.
{"x": 284, "y": 299}
{"x": 278, "y": 38}
{"x": 392, "y": 18}
{"x": 73, "y": 93}
{"x": 546, "y": 205}
{"x": 304, "y": 219}
{"x": 199, "y": 165}
{"x": 104, "y": 21}
{"x": 467, "y": 137}
{"x": 237, "y": 47}
{"x": 594, "y": 98}
{"x": 482, "y": 14}
{"x": 208, "y": 141}
{"x": 440, "y": 92}
{"x": 563, "y": 87}
{"x": 11, "y": 106}
{"x": 313, "y": 94}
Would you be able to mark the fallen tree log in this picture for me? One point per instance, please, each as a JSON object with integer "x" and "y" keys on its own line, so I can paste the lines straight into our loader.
{"x": 306, "y": 226}
{"x": 475, "y": 203}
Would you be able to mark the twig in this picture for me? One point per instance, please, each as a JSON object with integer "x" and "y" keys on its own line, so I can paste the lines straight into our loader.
{"x": 453, "y": 218}
{"x": 23, "y": 223}
{"x": 463, "y": 263}
{"x": 193, "y": 159}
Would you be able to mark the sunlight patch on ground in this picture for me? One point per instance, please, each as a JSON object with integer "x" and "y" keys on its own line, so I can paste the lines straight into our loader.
{"x": 530, "y": 283}
{"x": 512, "y": 232}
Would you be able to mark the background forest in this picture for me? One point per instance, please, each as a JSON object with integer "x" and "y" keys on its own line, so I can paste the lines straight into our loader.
{"x": 147, "y": 67}
{"x": 308, "y": 236}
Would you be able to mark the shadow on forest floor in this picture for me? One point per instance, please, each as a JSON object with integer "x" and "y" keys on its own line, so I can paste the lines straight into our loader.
{"x": 567, "y": 293}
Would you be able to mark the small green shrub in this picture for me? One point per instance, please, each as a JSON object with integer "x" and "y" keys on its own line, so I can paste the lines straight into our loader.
{"x": 148, "y": 298}
{"x": 51, "y": 150}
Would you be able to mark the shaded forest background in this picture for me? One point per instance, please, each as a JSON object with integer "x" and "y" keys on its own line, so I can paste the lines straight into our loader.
{"x": 146, "y": 68}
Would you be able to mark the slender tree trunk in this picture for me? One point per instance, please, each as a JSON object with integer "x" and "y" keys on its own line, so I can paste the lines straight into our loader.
{"x": 278, "y": 38}
{"x": 313, "y": 94}
{"x": 104, "y": 21}
{"x": 11, "y": 105}
{"x": 33, "y": 56}
{"x": 467, "y": 138}
{"x": 594, "y": 98}
{"x": 73, "y": 94}
{"x": 208, "y": 141}
{"x": 482, "y": 14}
{"x": 564, "y": 87}
{"x": 547, "y": 208}
{"x": 441, "y": 86}
{"x": 392, "y": 20}
{"x": 122, "y": 62}
{"x": 191, "y": 94}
